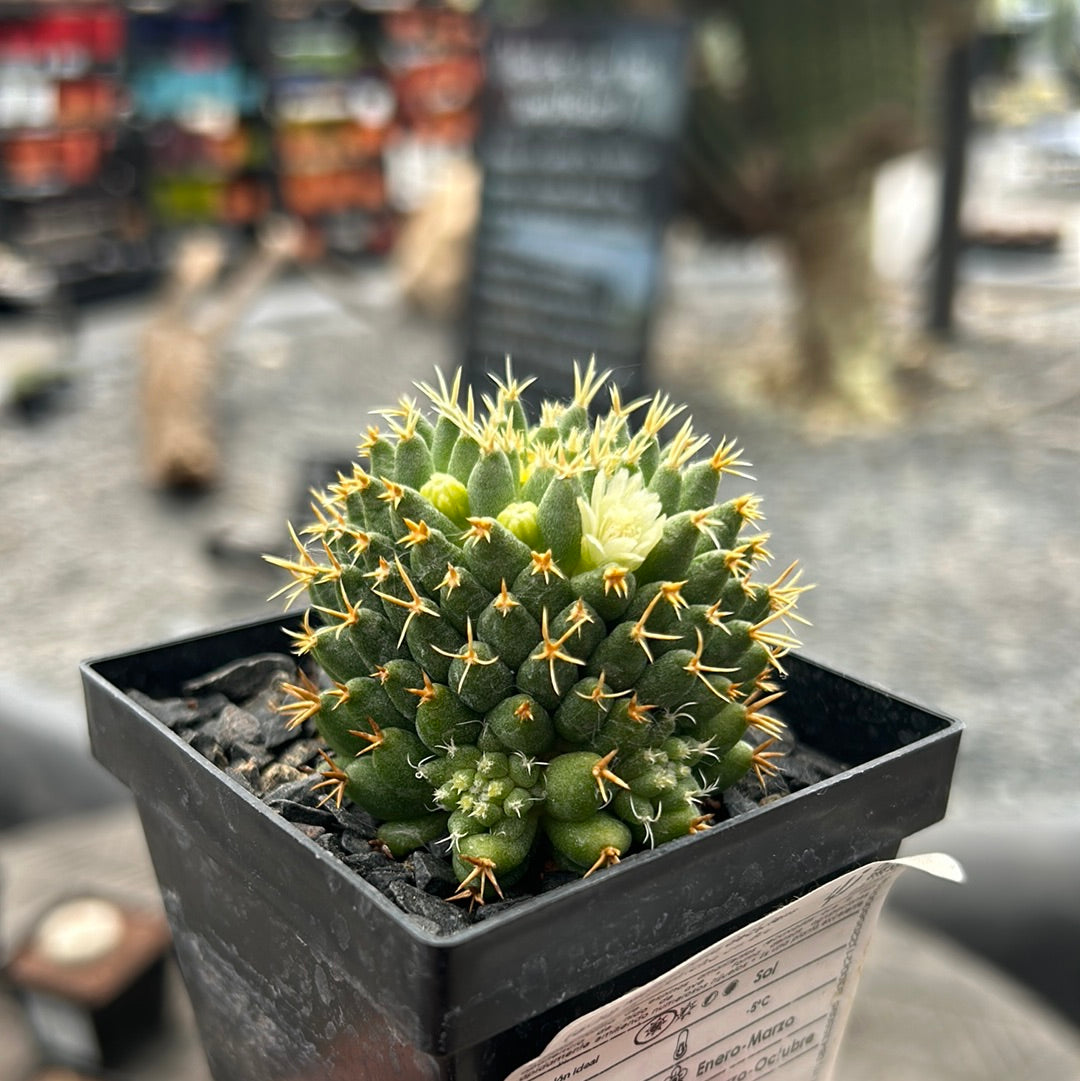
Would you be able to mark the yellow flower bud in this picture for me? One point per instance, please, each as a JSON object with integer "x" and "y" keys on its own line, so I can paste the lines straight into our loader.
{"x": 448, "y": 495}
{"x": 520, "y": 519}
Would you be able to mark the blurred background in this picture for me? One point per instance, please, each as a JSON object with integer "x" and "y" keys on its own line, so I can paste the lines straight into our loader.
{"x": 845, "y": 232}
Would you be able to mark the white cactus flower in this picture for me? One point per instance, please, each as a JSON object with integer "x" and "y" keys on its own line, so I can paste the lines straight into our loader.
{"x": 621, "y": 523}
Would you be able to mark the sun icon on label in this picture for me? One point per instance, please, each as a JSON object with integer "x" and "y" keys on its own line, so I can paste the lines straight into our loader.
{"x": 655, "y": 1026}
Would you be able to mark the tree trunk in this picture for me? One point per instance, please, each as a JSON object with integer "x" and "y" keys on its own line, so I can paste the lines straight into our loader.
{"x": 844, "y": 364}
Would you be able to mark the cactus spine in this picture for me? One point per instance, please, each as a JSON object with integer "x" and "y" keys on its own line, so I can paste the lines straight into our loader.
{"x": 541, "y": 638}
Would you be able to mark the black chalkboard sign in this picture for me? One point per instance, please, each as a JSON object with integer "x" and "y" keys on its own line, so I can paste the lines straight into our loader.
{"x": 577, "y": 153}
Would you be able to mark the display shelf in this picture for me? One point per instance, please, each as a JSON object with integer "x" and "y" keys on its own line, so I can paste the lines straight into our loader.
{"x": 197, "y": 98}
{"x": 434, "y": 57}
{"x": 185, "y": 113}
{"x": 364, "y": 103}
{"x": 329, "y": 108}
{"x": 70, "y": 197}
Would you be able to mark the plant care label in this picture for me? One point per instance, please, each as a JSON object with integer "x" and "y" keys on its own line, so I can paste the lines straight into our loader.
{"x": 770, "y": 1000}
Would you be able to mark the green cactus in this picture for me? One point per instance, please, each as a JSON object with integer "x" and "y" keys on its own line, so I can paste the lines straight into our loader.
{"x": 543, "y": 642}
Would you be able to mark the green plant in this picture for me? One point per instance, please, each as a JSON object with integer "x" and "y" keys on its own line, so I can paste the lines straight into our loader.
{"x": 537, "y": 634}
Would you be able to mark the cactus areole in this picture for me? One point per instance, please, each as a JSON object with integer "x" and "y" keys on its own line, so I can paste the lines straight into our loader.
{"x": 545, "y": 639}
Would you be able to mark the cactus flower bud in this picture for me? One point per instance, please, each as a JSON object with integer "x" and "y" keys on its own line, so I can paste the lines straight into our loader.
{"x": 448, "y": 495}
{"x": 520, "y": 519}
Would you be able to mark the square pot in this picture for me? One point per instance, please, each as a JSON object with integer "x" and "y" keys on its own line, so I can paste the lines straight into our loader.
{"x": 299, "y": 969}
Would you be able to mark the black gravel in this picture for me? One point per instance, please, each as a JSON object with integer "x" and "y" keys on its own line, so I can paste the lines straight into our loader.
{"x": 244, "y": 679}
{"x": 231, "y": 716}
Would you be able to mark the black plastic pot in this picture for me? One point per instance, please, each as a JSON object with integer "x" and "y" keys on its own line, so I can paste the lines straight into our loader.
{"x": 297, "y": 968}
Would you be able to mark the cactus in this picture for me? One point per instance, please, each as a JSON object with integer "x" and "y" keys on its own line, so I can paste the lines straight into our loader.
{"x": 542, "y": 642}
